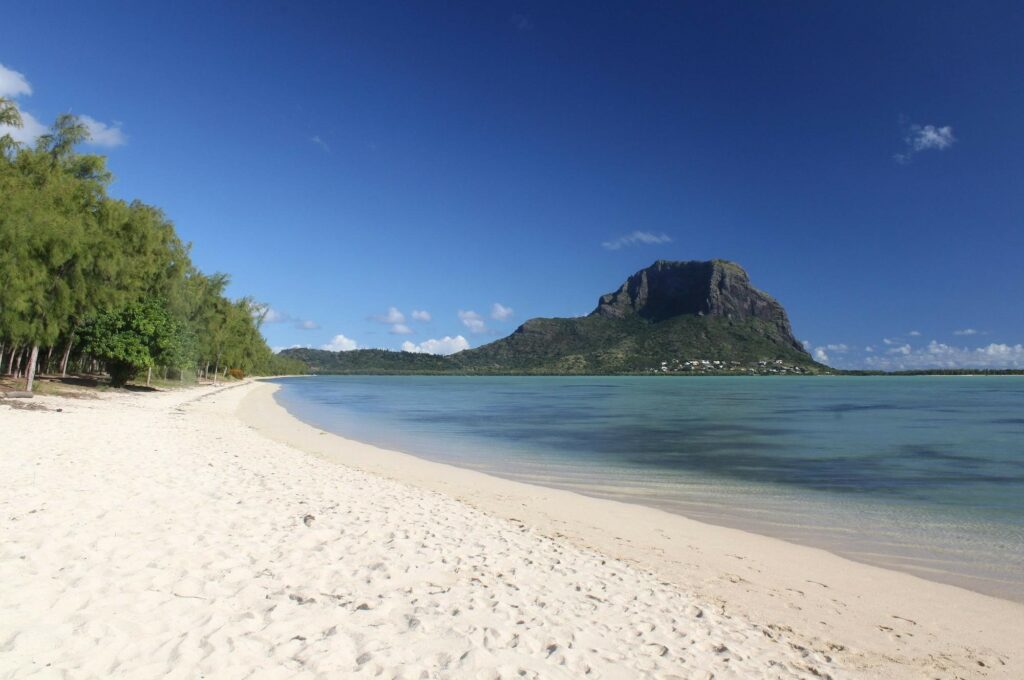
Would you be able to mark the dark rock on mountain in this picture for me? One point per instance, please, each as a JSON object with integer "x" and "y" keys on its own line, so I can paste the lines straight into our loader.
{"x": 672, "y": 316}
{"x": 668, "y": 289}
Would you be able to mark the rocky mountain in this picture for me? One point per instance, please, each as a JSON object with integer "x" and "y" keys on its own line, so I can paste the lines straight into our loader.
{"x": 698, "y": 317}
{"x": 669, "y": 289}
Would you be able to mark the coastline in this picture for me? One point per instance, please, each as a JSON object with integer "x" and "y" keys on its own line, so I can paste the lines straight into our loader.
{"x": 883, "y": 619}
{"x": 207, "y": 531}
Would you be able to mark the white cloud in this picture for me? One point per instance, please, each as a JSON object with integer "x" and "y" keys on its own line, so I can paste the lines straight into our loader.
{"x": 420, "y": 315}
{"x": 902, "y": 349}
{"x": 889, "y": 341}
{"x": 272, "y": 315}
{"x": 473, "y": 321}
{"x": 445, "y": 345}
{"x": 641, "y": 237}
{"x": 400, "y": 329}
{"x": 940, "y": 355}
{"x": 869, "y": 349}
{"x": 500, "y": 311}
{"x": 101, "y": 134}
{"x": 965, "y": 331}
{"x": 822, "y": 353}
{"x": 914, "y": 334}
{"x": 339, "y": 343}
{"x": 29, "y": 131}
{"x": 392, "y": 317}
{"x": 925, "y": 138}
{"x": 277, "y": 316}
{"x": 806, "y": 344}
{"x": 12, "y": 83}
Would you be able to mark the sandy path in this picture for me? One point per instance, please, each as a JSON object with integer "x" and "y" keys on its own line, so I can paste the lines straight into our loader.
{"x": 157, "y": 536}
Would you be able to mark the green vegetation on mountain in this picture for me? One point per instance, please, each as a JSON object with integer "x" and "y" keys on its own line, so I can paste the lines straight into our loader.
{"x": 673, "y": 317}
{"x": 89, "y": 280}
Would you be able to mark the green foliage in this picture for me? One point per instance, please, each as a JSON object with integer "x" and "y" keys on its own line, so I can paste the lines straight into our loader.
{"x": 141, "y": 335}
{"x": 368, "y": 361}
{"x": 77, "y": 264}
{"x": 590, "y": 345}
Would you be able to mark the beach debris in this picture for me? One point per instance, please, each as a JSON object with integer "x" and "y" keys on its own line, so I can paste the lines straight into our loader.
{"x": 308, "y": 520}
{"x": 18, "y": 394}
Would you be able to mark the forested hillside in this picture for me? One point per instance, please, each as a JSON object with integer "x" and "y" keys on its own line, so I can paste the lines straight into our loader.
{"x": 90, "y": 281}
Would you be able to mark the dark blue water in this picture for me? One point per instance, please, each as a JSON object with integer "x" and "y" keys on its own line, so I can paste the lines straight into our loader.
{"x": 924, "y": 474}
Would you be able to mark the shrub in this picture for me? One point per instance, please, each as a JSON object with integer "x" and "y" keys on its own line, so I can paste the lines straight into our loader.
{"x": 236, "y": 373}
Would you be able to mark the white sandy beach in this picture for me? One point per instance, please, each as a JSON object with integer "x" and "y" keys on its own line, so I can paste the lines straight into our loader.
{"x": 207, "y": 533}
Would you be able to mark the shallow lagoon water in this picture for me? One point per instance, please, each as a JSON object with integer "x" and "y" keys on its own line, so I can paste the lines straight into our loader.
{"x": 922, "y": 474}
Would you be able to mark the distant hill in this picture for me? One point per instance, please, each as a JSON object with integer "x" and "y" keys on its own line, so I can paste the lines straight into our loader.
{"x": 689, "y": 317}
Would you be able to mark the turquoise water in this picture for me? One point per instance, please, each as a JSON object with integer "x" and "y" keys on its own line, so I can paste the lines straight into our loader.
{"x": 922, "y": 474}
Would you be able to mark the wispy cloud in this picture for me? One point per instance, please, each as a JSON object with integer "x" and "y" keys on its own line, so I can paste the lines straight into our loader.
{"x": 914, "y": 334}
{"x": 340, "y": 343}
{"x": 473, "y": 321}
{"x": 316, "y": 139}
{"x": 522, "y": 22}
{"x": 966, "y": 331}
{"x": 31, "y": 129}
{"x": 500, "y": 312}
{"x": 400, "y": 329}
{"x": 445, "y": 345}
{"x": 14, "y": 84}
{"x": 272, "y": 315}
{"x": 391, "y": 317}
{"x": 636, "y": 238}
{"x": 925, "y": 138}
{"x": 420, "y": 315}
{"x": 101, "y": 134}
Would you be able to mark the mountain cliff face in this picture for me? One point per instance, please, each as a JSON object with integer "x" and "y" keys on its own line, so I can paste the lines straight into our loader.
{"x": 671, "y": 316}
{"x": 717, "y": 288}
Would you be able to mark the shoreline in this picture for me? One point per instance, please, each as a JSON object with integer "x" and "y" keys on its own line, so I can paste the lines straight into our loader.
{"x": 881, "y": 532}
{"x": 207, "y": 532}
{"x": 880, "y": 616}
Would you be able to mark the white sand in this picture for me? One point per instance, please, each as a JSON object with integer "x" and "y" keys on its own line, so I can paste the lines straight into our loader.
{"x": 157, "y": 535}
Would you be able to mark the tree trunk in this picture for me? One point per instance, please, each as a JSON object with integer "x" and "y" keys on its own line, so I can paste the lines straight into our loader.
{"x": 149, "y": 376}
{"x": 216, "y": 367}
{"x": 49, "y": 355}
{"x": 10, "y": 363}
{"x": 67, "y": 353}
{"x": 31, "y": 368}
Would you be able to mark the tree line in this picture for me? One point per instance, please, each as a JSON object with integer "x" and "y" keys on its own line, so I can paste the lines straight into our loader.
{"x": 88, "y": 281}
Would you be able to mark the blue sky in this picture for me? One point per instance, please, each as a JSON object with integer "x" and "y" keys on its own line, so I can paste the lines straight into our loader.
{"x": 351, "y": 163}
